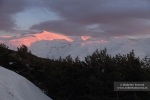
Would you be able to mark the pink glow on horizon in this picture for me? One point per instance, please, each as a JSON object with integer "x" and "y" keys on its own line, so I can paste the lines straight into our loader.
{"x": 26, "y": 41}
{"x": 118, "y": 37}
{"x": 1, "y": 41}
{"x": 5, "y": 36}
{"x": 85, "y": 37}
{"x": 94, "y": 42}
{"x": 31, "y": 38}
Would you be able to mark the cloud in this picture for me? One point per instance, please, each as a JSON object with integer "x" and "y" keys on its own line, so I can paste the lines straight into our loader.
{"x": 7, "y": 9}
{"x": 98, "y": 17}
{"x": 61, "y": 26}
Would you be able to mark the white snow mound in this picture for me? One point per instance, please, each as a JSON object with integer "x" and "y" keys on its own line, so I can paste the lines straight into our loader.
{"x": 16, "y": 87}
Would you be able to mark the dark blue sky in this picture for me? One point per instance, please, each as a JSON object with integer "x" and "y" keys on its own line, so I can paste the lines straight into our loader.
{"x": 76, "y": 17}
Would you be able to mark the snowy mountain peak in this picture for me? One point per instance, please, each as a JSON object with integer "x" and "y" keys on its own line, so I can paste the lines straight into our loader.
{"x": 85, "y": 37}
{"x": 45, "y": 35}
{"x": 28, "y": 39}
{"x": 52, "y": 45}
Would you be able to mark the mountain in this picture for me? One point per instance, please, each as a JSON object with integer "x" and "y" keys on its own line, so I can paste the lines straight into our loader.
{"x": 52, "y": 45}
{"x": 56, "y": 48}
{"x": 28, "y": 39}
{"x": 16, "y": 87}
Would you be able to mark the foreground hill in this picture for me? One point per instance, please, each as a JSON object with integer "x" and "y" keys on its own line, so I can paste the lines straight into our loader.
{"x": 16, "y": 87}
{"x": 91, "y": 79}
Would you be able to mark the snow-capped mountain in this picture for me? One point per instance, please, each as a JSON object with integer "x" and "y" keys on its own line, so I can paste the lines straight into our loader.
{"x": 16, "y": 87}
{"x": 52, "y": 45}
{"x": 57, "y": 48}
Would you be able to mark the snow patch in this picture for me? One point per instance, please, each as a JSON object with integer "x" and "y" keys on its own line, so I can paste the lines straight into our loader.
{"x": 16, "y": 87}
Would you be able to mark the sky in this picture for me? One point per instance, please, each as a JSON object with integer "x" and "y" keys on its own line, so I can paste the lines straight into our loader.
{"x": 95, "y": 18}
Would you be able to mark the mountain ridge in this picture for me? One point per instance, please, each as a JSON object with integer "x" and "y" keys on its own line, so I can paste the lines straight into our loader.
{"x": 51, "y": 45}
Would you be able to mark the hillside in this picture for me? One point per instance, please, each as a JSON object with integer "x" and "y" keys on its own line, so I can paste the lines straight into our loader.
{"x": 16, "y": 87}
{"x": 91, "y": 79}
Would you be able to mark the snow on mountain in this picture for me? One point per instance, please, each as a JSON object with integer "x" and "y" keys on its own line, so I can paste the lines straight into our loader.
{"x": 85, "y": 37}
{"x": 55, "y": 49}
{"x": 28, "y": 39}
{"x": 16, "y": 87}
{"x": 52, "y": 45}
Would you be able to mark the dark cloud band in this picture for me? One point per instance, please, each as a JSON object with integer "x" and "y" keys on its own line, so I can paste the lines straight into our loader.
{"x": 84, "y": 17}
{"x": 111, "y": 17}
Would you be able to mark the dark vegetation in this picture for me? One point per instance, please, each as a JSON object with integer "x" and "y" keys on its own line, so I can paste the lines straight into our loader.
{"x": 68, "y": 79}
